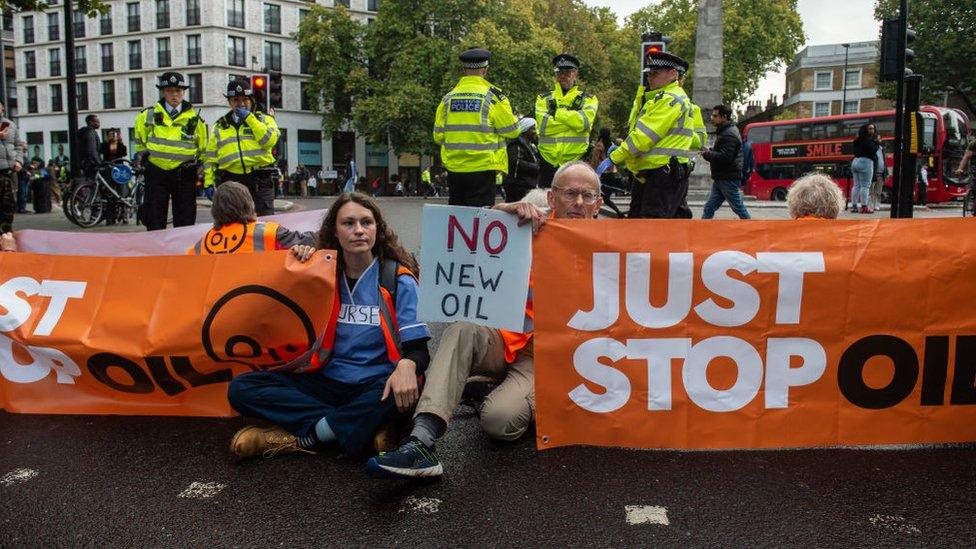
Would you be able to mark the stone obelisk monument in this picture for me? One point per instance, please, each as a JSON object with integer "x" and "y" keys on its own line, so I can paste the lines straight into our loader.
{"x": 706, "y": 89}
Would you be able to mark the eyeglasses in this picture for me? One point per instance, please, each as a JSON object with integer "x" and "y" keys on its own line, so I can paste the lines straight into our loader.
{"x": 589, "y": 198}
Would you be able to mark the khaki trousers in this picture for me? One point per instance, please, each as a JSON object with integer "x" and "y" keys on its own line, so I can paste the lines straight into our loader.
{"x": 469, "y": 349}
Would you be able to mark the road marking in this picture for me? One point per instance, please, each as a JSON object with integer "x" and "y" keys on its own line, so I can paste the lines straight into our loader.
{"x": 893, "y": 523}
{"x": 427, "y": 506}
{"x": 646, "y": 514}
{"x": 18, "y": 475}
{"x": 202, "y": 490}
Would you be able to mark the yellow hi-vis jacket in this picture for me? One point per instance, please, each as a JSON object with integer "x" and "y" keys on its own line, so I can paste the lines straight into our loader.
{"x": 472, "y": 124}
{"x": 565, "y": 136}
{"x": 661, "y": 130}
{"x": 700, "y": 140}
{"x": 170, "y": 142}
{"x": 241, "y": 148}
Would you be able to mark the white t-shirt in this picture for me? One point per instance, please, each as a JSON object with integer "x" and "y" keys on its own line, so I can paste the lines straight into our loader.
{"x": 312, "y": 183}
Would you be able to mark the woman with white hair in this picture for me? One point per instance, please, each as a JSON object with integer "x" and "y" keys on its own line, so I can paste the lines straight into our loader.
{"x": 523, "y": 162}
{"x": 814, "y": 195}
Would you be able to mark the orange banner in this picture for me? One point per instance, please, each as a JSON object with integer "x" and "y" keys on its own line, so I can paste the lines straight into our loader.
{"x": 151, "y": 335}
{"x": 759, "y": 334}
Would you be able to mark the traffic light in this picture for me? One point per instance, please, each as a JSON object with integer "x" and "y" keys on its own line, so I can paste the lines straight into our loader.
{"x": 259, "y": 89}
{"x": 894, "y": 62}
{"x": 275, "y": 93}
{"x": 653, "y": 42}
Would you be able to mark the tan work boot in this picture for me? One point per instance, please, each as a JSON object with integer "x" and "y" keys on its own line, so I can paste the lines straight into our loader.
{"x": 254, "y": 441}
{"x": 385, "y": 438}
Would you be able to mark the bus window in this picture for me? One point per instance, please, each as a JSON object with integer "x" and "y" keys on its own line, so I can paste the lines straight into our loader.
{"x": 806, "y": 130}
{"x": 784, "y": 133}
{"x": 849, "y": 128}
{"x": 819, "y": 131}
{"x": 885, "y": 126}
{"x": 760, "y": 134}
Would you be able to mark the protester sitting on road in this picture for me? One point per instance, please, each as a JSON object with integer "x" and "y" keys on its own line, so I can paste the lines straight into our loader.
{"x": 237, "y": 229}
{"x": 365, "y": 365}
{"x": 469, "y": 349}
{"x": 814, "y": 195}
{"x": 7, "y": 243}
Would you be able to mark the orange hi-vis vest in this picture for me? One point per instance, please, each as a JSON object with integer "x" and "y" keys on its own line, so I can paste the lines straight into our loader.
{"x": 515, "y": 341}
{"x": 318, "y": 355}
{"x": 238, "y": 238}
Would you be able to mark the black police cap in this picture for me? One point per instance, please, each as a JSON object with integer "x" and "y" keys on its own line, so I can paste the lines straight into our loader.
{"x": 171, "y": 80}
{"x": 238, "y": 88}
{"x": 474, "y": 58}
{"x": 565, "y": 62}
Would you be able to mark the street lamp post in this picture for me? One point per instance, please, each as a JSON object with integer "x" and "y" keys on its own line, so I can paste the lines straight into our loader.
{"x": 843, "y": 101}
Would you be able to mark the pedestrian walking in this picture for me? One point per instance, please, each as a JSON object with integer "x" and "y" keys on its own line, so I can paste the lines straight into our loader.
{"x": 862, "y": 167}
{"x": 523, "y": 163}
{"x": 170, "y": 142}
{"x": 657, "y": 147}
{"x": 880, "y": 176}
{"x": 240, "y": 147}
{"x": 725, "y": 159}
{"x": 472, "y": 123}
{"x": 11, "y": 162}
{"x": 565, "y": 116}
{"x": 923, "y": 182}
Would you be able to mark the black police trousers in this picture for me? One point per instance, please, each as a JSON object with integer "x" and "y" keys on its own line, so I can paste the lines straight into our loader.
{"x": 663, "y": 193}
{"x": 260, "y": 183}
{"x": 178, "y": 185}
{"x": 471, "y": 189}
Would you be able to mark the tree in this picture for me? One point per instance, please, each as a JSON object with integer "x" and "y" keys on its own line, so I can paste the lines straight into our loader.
{"x": 758, "y": 36}
{"x": 89, "y": 7}
{"x": 945, "y": 48}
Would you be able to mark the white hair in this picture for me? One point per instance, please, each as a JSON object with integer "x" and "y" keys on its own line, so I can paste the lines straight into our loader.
{"x": 814, "y": 195}
{"x": 537, "y": 197}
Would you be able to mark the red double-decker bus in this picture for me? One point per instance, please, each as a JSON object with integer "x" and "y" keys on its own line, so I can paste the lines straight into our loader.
{"x": 787, "y": 149}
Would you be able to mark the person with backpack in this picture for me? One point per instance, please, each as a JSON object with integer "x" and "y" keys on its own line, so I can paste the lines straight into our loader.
{"x": 363, "y": 369}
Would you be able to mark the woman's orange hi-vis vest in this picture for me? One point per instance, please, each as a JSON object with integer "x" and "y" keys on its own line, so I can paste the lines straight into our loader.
{"x": 238, "y": 238}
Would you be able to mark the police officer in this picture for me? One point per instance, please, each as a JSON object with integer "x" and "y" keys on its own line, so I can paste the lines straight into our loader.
{"x": 657, "y": 148}
{"x": 471, "y": 125}
{"x": 240, "y": 148}
{"x": 170, "y": 140}
{"x": 565, "y": 118}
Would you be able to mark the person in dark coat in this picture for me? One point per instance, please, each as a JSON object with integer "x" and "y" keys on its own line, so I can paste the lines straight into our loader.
{"x": 725, "y": 158}
{"x": 523, "y": 162}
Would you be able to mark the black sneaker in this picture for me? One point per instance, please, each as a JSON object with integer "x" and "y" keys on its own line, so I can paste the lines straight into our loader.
{"x": 412, "y": 460}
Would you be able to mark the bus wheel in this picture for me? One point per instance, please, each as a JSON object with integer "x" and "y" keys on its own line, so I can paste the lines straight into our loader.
{"x": 779, "y": 194}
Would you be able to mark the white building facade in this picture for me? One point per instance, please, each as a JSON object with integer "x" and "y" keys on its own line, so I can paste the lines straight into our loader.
{"x": 120, "y": 55}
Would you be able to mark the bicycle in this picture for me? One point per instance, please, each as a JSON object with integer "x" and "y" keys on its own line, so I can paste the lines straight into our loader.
{"x": 89, "y": 199}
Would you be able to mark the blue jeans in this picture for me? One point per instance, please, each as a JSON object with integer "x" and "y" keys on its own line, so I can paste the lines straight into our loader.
{"x": 296, "y": 402}
{"x": 722, "y": 190}
{"x": 863, "y": 170}
{"x": 23, "y": 187}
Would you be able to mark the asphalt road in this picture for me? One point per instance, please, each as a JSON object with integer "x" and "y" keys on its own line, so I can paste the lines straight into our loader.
{"x": 168, "y": 482}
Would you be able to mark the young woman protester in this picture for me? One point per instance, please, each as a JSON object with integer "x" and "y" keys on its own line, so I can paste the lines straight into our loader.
{"x": 364, "y": 368}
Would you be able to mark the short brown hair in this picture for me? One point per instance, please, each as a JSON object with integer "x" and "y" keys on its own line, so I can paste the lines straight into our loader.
{"x": 232, "y": 203}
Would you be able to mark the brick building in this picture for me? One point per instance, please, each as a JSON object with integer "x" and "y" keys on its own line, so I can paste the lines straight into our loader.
{"x": 815, "y": 80}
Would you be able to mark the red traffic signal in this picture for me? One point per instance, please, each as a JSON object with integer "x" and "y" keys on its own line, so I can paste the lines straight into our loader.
{"x": 258, "y": 82}
{"x": 259, "y": 91}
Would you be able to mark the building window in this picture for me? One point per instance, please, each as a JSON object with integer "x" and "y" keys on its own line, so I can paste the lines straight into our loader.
{"x": 54, "y": 61}
{"x": 108, "y": 58}
{"x": 853, "y": 79}
{"x": 821, "y": 108}
{"x": 57, "y": 104}
{"x": 162, "y": 14}
{"x": 108, "y": 94}
{"x": 235, "y": 13}
{"x": 8, "y": 22}
{"x": 105, "y": 22}
{"x": 235, "y": 51}
{"x": 135, "y": 93}
{"x": 135, "y": 55}
{"x": 31, "y": 99}
{"x": 78, "y": 24}
{"x": 53, "y": 29}
{"x": 192, "y": 12}
{"x": 81, "y": 59}
{"x": 852, "y": 106}
{"x": 81, "y": 92}
{"x": 272, "y": 56}
{"x": 195, "y": 93}
{"x": 28, "y": 29}
{"x": 272, "y": 18}
{"x": 373, "y": 5}
{"x": 306, "y": 103}
{"x": 193, "y": 56}
{"x": 823, "y": 81}
{"x": 30, "y": 65}
{"x": 132, "y": 17}
{"x": 163, "y": 57}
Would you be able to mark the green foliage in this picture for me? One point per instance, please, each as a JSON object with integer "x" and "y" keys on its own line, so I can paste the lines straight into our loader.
{"x": 758, "y": 36}
{"x": 387, "y": 78}
{"x": 89, "y": 7}
{"x": 945, "y": 48}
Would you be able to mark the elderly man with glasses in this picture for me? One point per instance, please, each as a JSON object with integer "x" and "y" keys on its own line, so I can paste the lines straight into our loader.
{"x": 468, "y": 349}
